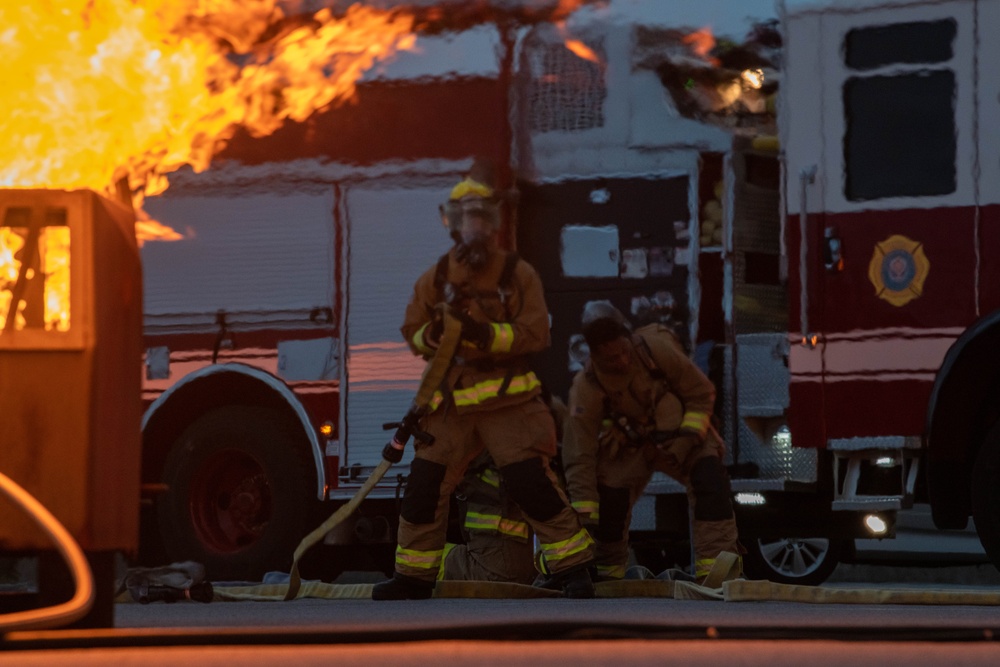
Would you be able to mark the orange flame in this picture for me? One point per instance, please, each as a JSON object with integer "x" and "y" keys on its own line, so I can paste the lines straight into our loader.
{"x": 576, "y": 46}
{"x": 701, "y": 42}
{"x": 97, "y": 90}
{"x": 582, "y": 50}
{"x": 52, "y": 276}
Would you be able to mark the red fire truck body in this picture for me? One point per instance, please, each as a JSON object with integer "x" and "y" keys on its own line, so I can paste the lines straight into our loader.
{"x": 883, "y": 151}
{"x": 890, "y": 194}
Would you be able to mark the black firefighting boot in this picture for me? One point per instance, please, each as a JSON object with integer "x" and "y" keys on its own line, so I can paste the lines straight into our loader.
{"x": 574, "y": 583}
{"x": 402, "y": 587}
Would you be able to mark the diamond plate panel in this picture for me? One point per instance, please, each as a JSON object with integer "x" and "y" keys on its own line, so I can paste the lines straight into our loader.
{"x": 776, "y": 458}
{"x": 761, "y": 308}
{"x": 757, "y": 225}
{"x": 762, "y": 374}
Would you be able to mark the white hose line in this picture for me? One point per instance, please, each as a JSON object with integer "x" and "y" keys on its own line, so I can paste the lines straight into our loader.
{"x": 83, "y": 579}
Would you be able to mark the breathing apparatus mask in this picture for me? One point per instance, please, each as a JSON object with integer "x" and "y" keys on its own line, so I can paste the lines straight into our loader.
{"x": 472, "y": 216}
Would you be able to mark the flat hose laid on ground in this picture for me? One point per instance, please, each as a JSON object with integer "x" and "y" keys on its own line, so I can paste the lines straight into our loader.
{"x": 737, "y": 590}
{"x": 434, "y": 374}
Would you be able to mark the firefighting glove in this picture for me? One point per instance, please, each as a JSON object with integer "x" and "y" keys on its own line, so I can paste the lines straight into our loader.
{"x": 477, "y": 333}
{"x": 680, "y": 448}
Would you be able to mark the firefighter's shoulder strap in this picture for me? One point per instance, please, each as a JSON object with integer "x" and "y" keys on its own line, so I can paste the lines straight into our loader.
{"x": 646, "y": 357}
{"x": 591, "y": 374}
{"x": 507, "y": 274}
{"x": 645, "y": 354}
{"x": 441, "y": 273}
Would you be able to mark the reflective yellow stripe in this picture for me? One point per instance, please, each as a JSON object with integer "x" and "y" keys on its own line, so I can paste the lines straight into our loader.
{"x": 484, "y": 391}
{"x": 496, "y": 523}
{"x": 491, "y": 477}
{"x": 503, "y": 337}
{"x": 513, "y": 528}
{"x": 540, "y": 563}
{"x": 695, "y": 421}
{"x": 574, "y": 545}
{"x": 588, "y": 507}
{"x": 479, "y": 521}
{"x": 611, "y": 571}
{"x": 444, "y": 556}
{"x": 419, "y": 343}
{"x": 424, "y": 560}
{"x": 703, "y": 566}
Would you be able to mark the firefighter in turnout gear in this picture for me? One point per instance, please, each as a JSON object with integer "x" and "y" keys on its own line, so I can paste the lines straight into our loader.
{"x": 641, "y": 405}
{"x": 490, "y": 400}
{"x": 498, "y": 544}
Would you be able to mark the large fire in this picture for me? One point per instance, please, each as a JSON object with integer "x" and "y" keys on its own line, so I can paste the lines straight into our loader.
{"x": 51, "y": 310}
{"x": 98, "y": 90}
{"x": 102, "y": 94}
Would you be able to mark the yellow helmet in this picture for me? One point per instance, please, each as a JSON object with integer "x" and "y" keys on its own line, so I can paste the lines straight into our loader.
{"x": 470, "y": 197}
{"x": 470, "y": 188}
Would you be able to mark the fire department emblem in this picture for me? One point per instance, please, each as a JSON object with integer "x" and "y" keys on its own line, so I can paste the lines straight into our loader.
{"x": 898, "y": 269}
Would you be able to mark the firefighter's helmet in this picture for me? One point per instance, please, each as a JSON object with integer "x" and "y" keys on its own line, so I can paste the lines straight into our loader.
{"x": 602, "y": 309}
{"x": 472, "y": 198}
{"x": 603, "y": 322}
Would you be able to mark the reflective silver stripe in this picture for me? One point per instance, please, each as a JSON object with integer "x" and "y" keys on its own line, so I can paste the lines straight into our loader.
{"x": 574, "y": 545}
{"x": 478, "y": 521}
{"x": 424, "y": 560}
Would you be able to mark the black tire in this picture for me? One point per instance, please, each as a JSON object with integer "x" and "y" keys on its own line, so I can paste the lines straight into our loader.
{"x": 986, "y": 495}
{"x": 241, "y": 494}
{"x": 805, "y": 561}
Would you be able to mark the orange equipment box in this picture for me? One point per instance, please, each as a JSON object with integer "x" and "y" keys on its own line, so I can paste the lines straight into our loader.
{"x": 70, "y": 360}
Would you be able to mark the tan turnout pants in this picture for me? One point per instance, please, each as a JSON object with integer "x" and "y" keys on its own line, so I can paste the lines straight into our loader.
{"x": 520, "y": 434}
{"x": 632, "y": 469}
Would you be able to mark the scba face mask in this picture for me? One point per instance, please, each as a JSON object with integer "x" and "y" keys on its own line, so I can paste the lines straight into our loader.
{"x": 472, "y": 224}
{"x": 474, "y": 248}
{"x": 456, "y": 212}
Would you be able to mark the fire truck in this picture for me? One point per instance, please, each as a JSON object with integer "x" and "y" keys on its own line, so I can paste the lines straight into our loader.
{"x": 825, "y": 265}
{"x": 889, "y": 185}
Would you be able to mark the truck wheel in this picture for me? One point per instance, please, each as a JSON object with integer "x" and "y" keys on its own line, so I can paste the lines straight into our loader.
{"x": 986, "y": 495}
{"x": 806, "y": 561}
{"x": 240, "y": 497}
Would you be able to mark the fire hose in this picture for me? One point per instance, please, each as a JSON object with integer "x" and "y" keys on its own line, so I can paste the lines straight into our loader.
{"x": 434, "y": 373}
{"x": 83, "y": 599}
